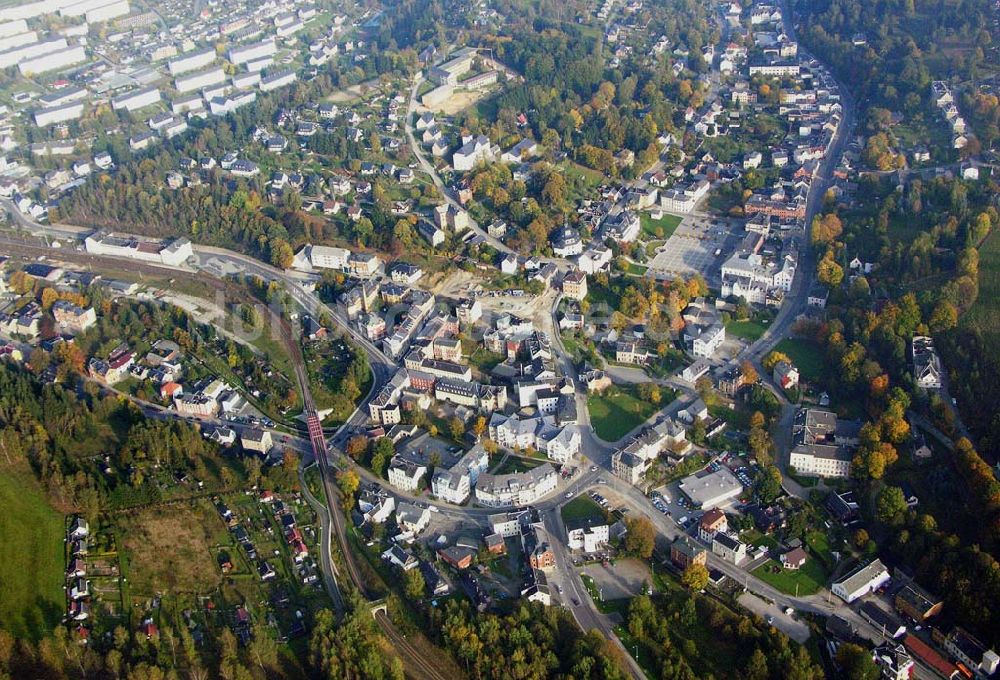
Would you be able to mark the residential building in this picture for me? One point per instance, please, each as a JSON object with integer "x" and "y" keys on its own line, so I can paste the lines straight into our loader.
{"x": 72, "y": 318}
{"x": 711, "y": 523}
{"x": 574, "y": 285}
{"x": 411, "y": 518}
{"x": 729, "y": 548}
{"x": 685, "y": 552}
{"x": 257, "y": 439}
{"x": 406, "y": 474}
{"x": 893, "y": 661}
{"x": 822, "y": 445}
{"x": 516, "y": 489}
{"x": 926, "y": 363}
{"x": 588, "y": 535}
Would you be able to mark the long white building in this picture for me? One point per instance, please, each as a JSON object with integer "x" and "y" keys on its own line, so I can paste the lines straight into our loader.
{"x": 109, "y": 11}
{"x": 53, "y": 61}
{"x": 174, "y": 253}
{"x": 244, "y": 53}
{"x": 191, "y": 62}
{"x": 196, "y": 81}
{"x": 13, "y": 27}
{"x": 59, "y": 114}
{"x": 136, "y": 99}
{"x": 276, "y": 80}
{"x": 19, "y": 54}
{"x": 516, "y": 489}
{"x": 9, "y": 42}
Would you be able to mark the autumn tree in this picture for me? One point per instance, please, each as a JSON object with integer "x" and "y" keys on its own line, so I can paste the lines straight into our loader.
{"x": 695, "y": 576}
{"x": 640, "y": 537}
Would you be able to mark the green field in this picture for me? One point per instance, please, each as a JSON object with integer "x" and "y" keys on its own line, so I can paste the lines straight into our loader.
{"x": 661, "y": 228}
{"x": 618, "y": 410}
{"x": 805, "y": 354}
{"x": 809, "y": 579}
{"x": 748, "y": 330}
{"x": 581, "y": 508}
{"x": 516, "y": 464}
{"x": 31, "y": 558}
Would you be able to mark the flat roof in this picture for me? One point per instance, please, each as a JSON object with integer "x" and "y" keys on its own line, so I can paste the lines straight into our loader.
{"x": 711, "y": 489}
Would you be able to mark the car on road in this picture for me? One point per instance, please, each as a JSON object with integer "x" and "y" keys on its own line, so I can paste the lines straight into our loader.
{"x": 593, "y": 468}
{"x": 569, "y": 494}
{"x": 576, "y": 602}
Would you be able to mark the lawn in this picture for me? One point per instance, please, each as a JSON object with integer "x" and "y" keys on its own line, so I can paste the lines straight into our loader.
{"x": 516, "y": 464}
{"x": 634, "y": 269}
{"x": 806, "y": 355}
{"x": 662, "y": 228}
{"x": 748, "y": 330}
{"x": 805, "y": 581}
{"x": 171, "y": 549}
{"x": 31, "y": 557}
{"x": 581, "y": 508}
{"x": 618, "y": 410}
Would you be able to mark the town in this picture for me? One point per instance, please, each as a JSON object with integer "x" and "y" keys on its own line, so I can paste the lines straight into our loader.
{"x": 430, "y": 340}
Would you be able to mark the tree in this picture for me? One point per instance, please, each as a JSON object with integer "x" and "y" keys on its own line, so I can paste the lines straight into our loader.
{"x": 281, "y": 253}
{"x": 856, "y": 663}
{"x": 774, "y": 358}
{"x": 829, "y": 272}
{"x": 650, "y": 392}
{"x": 357, "y": 446}
{"x": 748, "y": 372}
{"x": 860, "y": 539}
{"x": 890, "y": 505}
{"x": 457, "y": 428}
{"x": 413, "y": 584}
{"x": 826, "y": 229}
{"x": 383, "y": 453}
{"x": 695, "y": 576}
{"x": 348, "y": 482}
{"x": 640, "y": 538}
{"x": 767, "y": 486}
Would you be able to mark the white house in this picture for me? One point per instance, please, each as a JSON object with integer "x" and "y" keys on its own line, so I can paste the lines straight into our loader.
{"x": 863, "y": 580}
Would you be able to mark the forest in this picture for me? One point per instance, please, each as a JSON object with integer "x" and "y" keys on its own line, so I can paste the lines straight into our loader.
{"x": 907, "y": 44}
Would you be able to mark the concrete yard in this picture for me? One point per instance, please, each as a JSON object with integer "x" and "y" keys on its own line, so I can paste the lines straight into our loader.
{"x": 691, "y": 248}
{"x": 791, "y": 627}
{"x": 625, "y": 579}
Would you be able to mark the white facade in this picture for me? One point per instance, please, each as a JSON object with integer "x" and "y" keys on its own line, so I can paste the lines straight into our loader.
{"x": 13, "y": 27}
{"x": 191, "y": 62}
{"x": 861, "y": 581}
{"x": 108, "y": 11}
{"x": 136, "y": 99}
{"x": 274, "y": 81}
{"x": 58, "y": 114}
{"x": 17, "y": 40}
{"x": 185, "y": 104}
{"x": 246, "y": 53}
{"x": 29, "y": 10}
{"x": 196, "y": 81}
{"x": 517, "y": 489}
{"x": 17, "y": 55}
{"x": 807, "y": 463}
{"x": 405, "y": 475}
{"x": 589, "y": 539}
{"x": 244, "y": 80}
{"x": 53, "y": 61}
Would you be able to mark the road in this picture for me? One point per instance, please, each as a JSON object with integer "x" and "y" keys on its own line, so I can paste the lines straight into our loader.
{"x": 595, "y": 452}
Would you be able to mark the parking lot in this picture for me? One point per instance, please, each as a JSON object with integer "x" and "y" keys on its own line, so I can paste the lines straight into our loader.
{"x": 671, "y": 502}
{"x": 692, "y": 248}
